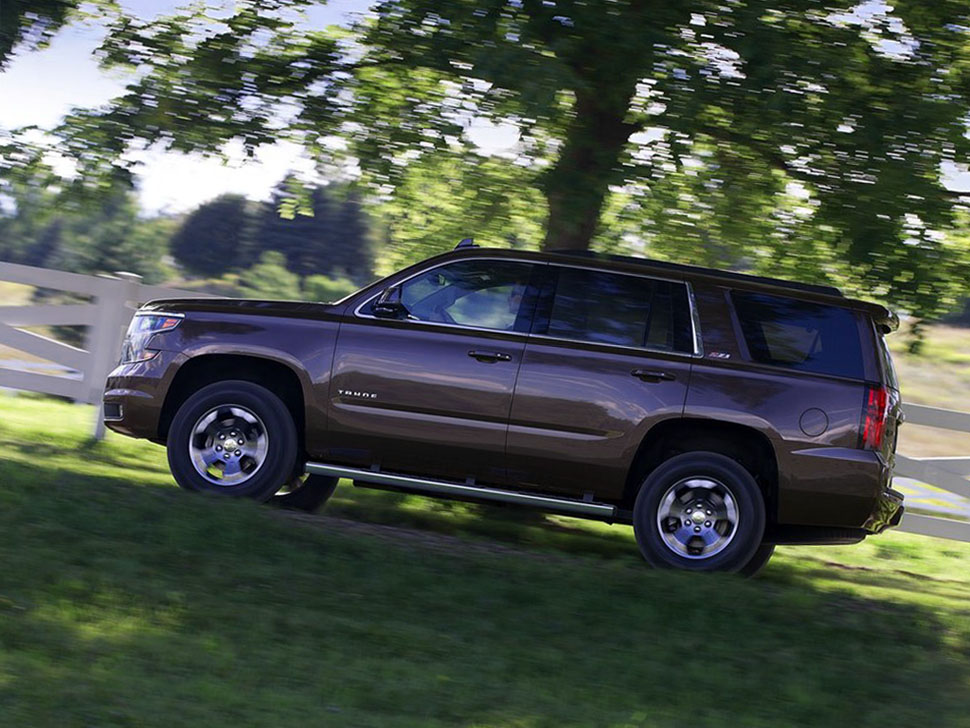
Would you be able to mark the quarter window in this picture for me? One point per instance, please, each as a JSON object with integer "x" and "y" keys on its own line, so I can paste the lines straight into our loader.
{"x": 802, "y": 335}
{"x": 623, "y": 310}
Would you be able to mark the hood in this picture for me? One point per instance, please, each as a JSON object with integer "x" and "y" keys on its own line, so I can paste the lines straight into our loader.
{"x": 245, "y": 306}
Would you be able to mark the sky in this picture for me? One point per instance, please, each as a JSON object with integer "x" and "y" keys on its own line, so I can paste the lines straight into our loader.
{"x": 40, "y": 87}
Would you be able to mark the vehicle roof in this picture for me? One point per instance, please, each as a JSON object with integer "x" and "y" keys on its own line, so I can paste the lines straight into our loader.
{"x": 822, "y": 294}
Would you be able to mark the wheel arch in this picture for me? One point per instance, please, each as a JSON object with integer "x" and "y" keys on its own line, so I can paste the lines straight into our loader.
{"x": 201, "y": 370}
{"x": 746, "y": 445}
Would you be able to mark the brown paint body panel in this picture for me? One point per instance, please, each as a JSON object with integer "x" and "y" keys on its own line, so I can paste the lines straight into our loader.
{"x": 304, "y": 344}
{"x": 140, "y": 389}
{"x": 579, "y": 415}
{"x": 408, "y": 397}
{"x": 822, "y": 491}
{"x": 550, "y": 415}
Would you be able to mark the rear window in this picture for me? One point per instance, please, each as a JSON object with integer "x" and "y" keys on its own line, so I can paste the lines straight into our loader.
{"x": 802, "y": 335}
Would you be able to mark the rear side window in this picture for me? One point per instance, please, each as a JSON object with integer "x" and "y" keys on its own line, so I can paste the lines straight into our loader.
{"x": 623, "y": 310}
{"x": 810, "y": 337}
{"x": 886, "y": 359}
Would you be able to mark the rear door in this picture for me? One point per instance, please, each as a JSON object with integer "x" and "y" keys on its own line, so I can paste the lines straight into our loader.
{"x": 609, "y": 356}
{"x": 430, "y": 394}
{"x": 799, "y": 376}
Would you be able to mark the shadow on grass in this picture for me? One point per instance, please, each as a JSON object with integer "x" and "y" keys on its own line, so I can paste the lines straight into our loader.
{"x": 144, "y": 606}
{"x": 510, "y": 525}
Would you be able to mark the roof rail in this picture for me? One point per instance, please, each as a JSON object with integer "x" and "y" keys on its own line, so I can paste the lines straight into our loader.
{"x": 728, "y": 275}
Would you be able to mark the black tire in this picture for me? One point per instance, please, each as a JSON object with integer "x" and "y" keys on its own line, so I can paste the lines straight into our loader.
{"x": 724, "y": 488}
{"x": 306, "y": 494}
{"x": 274, "y": 465}
{"x": 760, "y": 559}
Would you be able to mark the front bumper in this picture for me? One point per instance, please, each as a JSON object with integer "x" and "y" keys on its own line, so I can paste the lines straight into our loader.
{"x": 135, "y": 394}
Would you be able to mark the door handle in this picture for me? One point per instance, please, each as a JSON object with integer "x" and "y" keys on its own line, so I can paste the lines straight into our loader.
{"x": 653, "y": 375}
{"x": 489, "y": 355}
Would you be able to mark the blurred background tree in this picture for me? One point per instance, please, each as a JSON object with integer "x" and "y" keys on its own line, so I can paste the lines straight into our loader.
{"x": 270, "y": 279}
{"x": 329, "y": 233}
{"x": 43, "y": 229}
{"x": 799, "y": 137}
{"x": 217, "y": 237}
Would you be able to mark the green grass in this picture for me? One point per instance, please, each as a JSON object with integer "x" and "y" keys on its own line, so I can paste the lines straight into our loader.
{"x": 126, "y": 602}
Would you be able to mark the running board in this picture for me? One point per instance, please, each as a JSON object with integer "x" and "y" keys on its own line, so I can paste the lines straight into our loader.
{"x": 601, "y": 511}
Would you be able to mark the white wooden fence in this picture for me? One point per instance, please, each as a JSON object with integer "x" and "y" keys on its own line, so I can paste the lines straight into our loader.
{"x": 947, "y": 473}
{"x": 73, "y": 372}
{"x": 81, "y": 372}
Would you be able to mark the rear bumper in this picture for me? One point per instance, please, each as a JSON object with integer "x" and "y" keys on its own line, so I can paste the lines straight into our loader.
{"x": 839, "y": 487}
{"x": 887, "y": 513}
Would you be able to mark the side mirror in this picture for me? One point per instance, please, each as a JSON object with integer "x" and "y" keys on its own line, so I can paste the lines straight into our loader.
{"x": 389, "y": 305}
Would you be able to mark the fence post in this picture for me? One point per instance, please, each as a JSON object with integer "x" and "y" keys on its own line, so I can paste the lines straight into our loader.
{"x": 105, "y": 337}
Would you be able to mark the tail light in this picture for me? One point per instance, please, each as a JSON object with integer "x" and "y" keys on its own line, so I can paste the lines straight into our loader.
{"x": 874, "y": 417}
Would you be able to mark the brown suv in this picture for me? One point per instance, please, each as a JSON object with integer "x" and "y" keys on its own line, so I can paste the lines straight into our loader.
{"x": 718, "y": 413}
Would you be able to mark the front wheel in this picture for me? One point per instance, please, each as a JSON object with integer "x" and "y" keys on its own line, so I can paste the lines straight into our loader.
{"x": 233, "y": 438}
{"x": 760, "y": 559}
{"x": 305, "y": 493}
{"x": 700, "y": 511}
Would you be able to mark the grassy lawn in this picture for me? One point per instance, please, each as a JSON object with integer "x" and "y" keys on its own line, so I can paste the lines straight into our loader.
{"x": 126, "y": 602}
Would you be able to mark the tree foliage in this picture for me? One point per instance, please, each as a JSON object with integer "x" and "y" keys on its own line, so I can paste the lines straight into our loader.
{"x": 270, "y": 279}
{"x": 323, "y": 289}
{"x": 31, "y": 23}
{"x": 327, "y": 233}
{"x": 41, "y": 230}
{"x": 755, "y": 133}
{"x": 444, "y": 199}
{"x": 216, "y": 237}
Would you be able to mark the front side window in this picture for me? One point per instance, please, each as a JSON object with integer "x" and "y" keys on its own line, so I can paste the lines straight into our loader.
{"x": 623, "y": 310}
{"x": 802, "y": 335}
{"x": 485, "y": 294}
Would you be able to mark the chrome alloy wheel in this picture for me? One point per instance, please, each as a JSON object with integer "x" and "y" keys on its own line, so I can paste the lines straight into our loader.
{"x": 228, "y": 445}
{"x": 697, "y": 517}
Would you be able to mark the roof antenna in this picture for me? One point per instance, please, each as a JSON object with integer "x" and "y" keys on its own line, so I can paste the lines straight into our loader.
{"x": 466, "y": 243}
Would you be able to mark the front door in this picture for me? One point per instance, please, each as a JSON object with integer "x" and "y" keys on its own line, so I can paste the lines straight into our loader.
{"x": 610, "y": 356}
{"x": 429, "y": 394}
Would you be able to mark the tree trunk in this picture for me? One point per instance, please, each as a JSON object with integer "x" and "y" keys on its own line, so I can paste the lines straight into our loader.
{"x": 577, "y": 184}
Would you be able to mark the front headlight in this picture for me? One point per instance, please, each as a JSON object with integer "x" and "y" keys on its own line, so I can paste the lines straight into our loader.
{"x": 141, "y": 329}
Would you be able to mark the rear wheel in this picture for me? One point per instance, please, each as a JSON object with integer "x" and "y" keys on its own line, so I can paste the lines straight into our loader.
{"x": 233, "y": 438}
{"x": 700, "y": 511}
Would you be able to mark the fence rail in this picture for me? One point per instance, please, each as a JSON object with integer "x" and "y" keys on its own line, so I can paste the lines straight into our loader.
{"x": 79, "y": 373}
{"x": 74, "y": 372}
{"x": 947, "y": 473}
